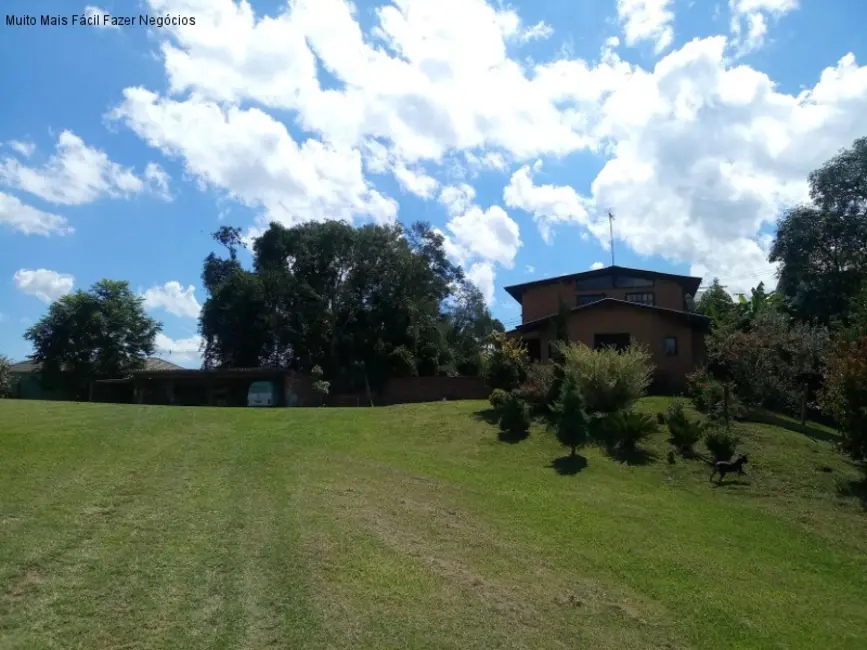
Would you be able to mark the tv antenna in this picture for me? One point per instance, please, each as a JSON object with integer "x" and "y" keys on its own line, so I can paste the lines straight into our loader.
{"x": 611, "y": 233}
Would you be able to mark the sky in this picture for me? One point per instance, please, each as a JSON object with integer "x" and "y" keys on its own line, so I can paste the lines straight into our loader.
{"x": 513, "y": 127}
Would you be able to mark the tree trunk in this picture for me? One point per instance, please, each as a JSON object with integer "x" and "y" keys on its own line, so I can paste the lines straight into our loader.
{"x": 573, "y": 451}
{"x": 726, "y": 404}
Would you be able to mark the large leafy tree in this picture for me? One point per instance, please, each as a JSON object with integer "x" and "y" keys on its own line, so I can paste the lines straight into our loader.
{"x": 100, "y": 332}
{"x": 822, "y": 247}
{"x": 348, "y": 299}
{"x": 5, "y": 377}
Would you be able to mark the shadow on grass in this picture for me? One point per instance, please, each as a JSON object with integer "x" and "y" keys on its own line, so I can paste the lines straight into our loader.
{"x": 568, "y": 465}
{"x": 486, "y": 415}
{"x": 853, "y": 489}
{"x": 512, "y": 437}
{"x": 814, "y": 433}
{"x": 633, "y": 456}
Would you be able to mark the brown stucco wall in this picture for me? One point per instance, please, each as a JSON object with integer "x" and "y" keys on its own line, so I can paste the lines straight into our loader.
{"x": 541, "y": 300}
{"x": 648, "y": 327}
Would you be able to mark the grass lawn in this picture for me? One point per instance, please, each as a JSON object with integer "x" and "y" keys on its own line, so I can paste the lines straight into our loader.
{"x": 411, "y": 527}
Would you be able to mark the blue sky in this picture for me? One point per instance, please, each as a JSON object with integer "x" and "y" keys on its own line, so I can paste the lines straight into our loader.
{"x": 512, "y": 127}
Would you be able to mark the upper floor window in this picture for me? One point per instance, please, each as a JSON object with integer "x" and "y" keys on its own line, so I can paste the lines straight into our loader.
{"x": 640, "y": 298}
{"x": 590, "y": 298}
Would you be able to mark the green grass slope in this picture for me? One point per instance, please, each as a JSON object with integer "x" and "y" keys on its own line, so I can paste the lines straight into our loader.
{"x": 410, "y": 527}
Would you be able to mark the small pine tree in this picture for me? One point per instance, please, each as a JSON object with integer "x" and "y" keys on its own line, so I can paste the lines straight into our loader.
{"x": 573, "y": 423}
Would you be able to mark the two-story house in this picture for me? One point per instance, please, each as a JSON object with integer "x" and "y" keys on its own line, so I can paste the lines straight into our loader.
{"x": 613, "y": 305}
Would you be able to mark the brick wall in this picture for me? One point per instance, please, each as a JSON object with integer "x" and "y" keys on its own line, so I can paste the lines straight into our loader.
{"x": 431, "y": 389}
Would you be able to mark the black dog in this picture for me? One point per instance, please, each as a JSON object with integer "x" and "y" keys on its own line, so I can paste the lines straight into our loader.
{"x": 723, "y": 467}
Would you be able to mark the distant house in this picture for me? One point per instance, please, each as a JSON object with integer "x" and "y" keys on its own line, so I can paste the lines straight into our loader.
{"x": 27, "y": 384}
{"x": 611, "y": 306}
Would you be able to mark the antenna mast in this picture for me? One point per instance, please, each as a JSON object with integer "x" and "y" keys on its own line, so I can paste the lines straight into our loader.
{"x": 611, "y": 232}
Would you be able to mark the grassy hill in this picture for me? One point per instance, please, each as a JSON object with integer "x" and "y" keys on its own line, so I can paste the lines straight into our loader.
{"x": 410, "y": 527}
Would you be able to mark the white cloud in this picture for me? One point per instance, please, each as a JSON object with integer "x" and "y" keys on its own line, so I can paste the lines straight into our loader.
{"x": 74, "y": 175}
{"x": 174, "y": 299}
{"x": 252, "y": 157}
{"x": 539, "y": 31}
{"x": 647, "y": 20}
{"x": 178, "y": 350}
{"x": 596, "y": 266}
{"x": 158, "y": 179}
{"x": 26, "y": 149}
{"x": 96, "y": 12}
{"x": 482, "y": 275}
{"x": 549, "y": 204}
{"x": 24, "y": 218}
{"x": 46, "y": 285}
{"x": 531, "y": 268}
{"x": 422, "y": 82}
{"x": 457, "y": 198}
{"x": 490, "y": 234}
{"x": 415, "y": 181}
{"x": 751, "y": 16}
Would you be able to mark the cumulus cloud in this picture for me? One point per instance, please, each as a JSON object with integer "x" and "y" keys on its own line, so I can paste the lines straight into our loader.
{"x": 596, "y": 266}
{"x": 415, "y": 181}
{"x": 178, "y": 350}
{"x": 749, "y": 21}
{"x": 46, "y": 285}
{"x": 539, "y": 31}
{"x": 647, "y": 20}
{"x": 252, "y": 157}
{"x": 74, "y": 175}
{"x": 482, "y": 275}
{"x": 27, "y": 219}
{"x": 549, "y": 204}
{"x": 173, "y": 298}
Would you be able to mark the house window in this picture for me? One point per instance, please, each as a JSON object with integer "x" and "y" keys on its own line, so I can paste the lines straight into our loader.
{"x": 534, "y": 349}
{"x": 590, "y": 298}
{"x": 669, "y": 346}
{"x": 616, "y": 341}
{"x": 640, "y": 298}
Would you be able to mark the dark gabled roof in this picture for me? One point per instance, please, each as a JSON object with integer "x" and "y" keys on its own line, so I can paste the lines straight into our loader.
{"x": 213, "y": 372}
{"x": 529, "y": 326}
{"x": 151, "y": 364}
{"x": 690, "y": 283}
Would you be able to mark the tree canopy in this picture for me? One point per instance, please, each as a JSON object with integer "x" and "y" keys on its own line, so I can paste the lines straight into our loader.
{"x": 822, "y": 247}
{"x": 102, "y": 331}
{"x": 359, "y": 302}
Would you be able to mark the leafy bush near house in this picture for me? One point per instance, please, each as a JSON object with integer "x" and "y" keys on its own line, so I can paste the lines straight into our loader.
{"x": 497, "y": 398}
{"x": 5, "y": 377}
{"x": 572, "y": 423}
{"x": 708, "y": 397}
{"x": 536, "y": 388}
{"x": 506, "y": 364}
{"x": 721, "y": 443}
{"x": 628, "y": 428}
{"x": 320, "y": 387}
{"x": 609, "y": 380}
{"x": 845, "y": 394}
{"x": 683, "y": 432}
{"x": 514, "y": 415}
